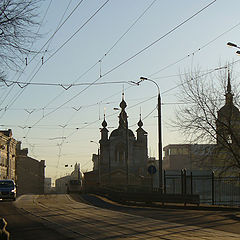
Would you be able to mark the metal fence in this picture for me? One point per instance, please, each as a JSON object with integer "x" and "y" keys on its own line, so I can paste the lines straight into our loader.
{"x": 211, "y": 189}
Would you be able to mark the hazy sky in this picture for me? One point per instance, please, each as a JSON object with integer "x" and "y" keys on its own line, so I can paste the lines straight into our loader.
{"x": 121, "y": 41}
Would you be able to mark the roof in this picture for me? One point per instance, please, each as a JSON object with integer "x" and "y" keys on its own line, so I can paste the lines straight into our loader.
{"x": 121, "y": 132}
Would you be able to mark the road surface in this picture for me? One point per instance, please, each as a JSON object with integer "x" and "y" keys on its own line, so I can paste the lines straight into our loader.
{"x": 68, "y": 219}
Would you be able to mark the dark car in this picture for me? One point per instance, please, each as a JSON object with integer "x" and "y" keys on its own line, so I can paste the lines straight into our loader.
{"x": 7, "y": 189}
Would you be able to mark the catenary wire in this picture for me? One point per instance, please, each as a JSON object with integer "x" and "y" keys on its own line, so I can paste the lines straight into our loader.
{"x": 187, "y": 56}
{"x": 13, "y": 101}
{"x": 44, "y": 16}
{"x": 127, "y": 60}
{"x": 49, "y": 40}
{"x": 107, "y": 52}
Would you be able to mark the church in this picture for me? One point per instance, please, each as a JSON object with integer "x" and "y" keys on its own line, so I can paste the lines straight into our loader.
{"x": 123, "y": 157}
{"x": 228, "y": 134}
{"x": 222, "y": 156}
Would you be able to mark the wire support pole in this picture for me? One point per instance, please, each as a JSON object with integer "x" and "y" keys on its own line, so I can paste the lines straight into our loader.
{"x": 159, "y": 133}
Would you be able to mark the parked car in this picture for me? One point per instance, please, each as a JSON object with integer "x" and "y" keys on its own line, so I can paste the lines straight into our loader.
{"x": 7, "y": 189}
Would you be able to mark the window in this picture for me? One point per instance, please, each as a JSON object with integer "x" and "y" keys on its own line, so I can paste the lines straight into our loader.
{"x": 229, "y": 138}
{"x": 173, "y": 151}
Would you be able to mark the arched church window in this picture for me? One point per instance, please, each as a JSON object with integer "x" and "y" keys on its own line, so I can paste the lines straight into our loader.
{"x": 120, "y": 154}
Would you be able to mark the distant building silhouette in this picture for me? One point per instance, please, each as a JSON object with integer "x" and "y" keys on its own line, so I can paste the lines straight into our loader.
{"x": 30, "y": 173}
{"x": 188, "y": 156}
{"x": 228, "y": 120}
{"x": 218, "y": 157}
{"x": 47, "y": 185}
{"x": 61, "y": 184}
{"x": 123, "y": 157}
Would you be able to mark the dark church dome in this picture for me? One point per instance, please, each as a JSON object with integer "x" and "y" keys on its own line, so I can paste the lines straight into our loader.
{"x": 120, "y": 133}
{"x": 104, "y": 123}
{"x": 123, "y": 104}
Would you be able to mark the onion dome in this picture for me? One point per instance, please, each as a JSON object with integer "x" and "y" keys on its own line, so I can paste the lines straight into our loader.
{"x": 140, "y": 123}
{"x": 123, "y": 104}
{"x": 104, "y": 123}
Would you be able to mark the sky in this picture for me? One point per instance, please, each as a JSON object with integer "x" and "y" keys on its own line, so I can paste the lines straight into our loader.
{"x": 107, "y": 45}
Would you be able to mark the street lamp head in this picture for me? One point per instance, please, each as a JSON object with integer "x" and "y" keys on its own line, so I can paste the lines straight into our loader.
{"x": 238, "y": 52}
{"x": 230, "y": 44}
{"x": 143, "y": 78}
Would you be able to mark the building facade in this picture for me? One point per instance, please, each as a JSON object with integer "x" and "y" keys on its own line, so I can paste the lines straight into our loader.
{"x": 123, "y": 157}
{"x": 7, "y": 155}
{"x": 62, "y": 183}
{"x": 47, "y": 185}
{"x": 219, "y": 157}
{"x": 188, "y": 156}
{"x": 30, "y": 173}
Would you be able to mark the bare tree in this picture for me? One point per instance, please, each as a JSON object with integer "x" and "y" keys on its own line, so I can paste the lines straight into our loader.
{"x": 210, "y": 116}
{"x": 18, "y": 20}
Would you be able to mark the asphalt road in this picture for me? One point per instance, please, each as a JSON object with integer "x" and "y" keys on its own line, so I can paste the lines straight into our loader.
{"x": 60, "y": 217}
{"x": 220, "y": 218}
{"x": 23, "y": 226}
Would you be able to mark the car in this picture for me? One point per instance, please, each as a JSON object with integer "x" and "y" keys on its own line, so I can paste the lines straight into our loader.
{"x": 7, "y": 189}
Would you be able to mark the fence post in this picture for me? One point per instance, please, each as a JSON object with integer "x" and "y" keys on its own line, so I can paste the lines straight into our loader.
{"x": 164, "y": 182}
{"x": 182, "y": 190}
{"x": 185, "y": 180}
{"x": 213, "y": 189}
{"x": 191, "y": 184}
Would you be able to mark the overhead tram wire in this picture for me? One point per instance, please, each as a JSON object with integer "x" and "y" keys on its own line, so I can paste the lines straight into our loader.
{"x": 86, "y": 126}
{"x": 124, "y": 62}
{"x": 95, "y": 13}
{"x": 58, "y": 50}
{"x": 65, "y": 86}
{"x": 108, "y": 51}
{"x": 113, "y": 44}
{"x": 144, "y": 49}
{"x": 205, "y": 45}
{"x": 61, "y": 20}
{"x": 130, "y": 58}
{"x": 216, "y": 69}
{"x": 156, "y": 41}
{"x": 199, "y": 49}
{"x": 30, "y": 47}
{"x": 132, "y": 25}
{"x": 58, "y": 26}
{"x": 48, "y": 41}
{"x": 206, "y": 73}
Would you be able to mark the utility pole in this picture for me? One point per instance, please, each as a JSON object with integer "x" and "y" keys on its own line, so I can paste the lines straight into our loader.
{"x": 159, "y": 132}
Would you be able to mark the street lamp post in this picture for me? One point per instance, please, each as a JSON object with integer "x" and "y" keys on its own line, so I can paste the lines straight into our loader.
{"x": 99, "y": 176}
{"x": 159, "y": 132}
{"x": 230, "y": 44}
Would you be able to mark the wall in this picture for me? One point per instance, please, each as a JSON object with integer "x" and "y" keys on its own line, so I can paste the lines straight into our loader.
{"x": 30, "y": 174}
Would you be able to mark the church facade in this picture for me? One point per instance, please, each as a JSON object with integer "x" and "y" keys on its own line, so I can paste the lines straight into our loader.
{"x": 123, "y": 156}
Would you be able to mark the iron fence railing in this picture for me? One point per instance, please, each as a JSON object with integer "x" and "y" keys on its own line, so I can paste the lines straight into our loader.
{"x": 211, "y": 189}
